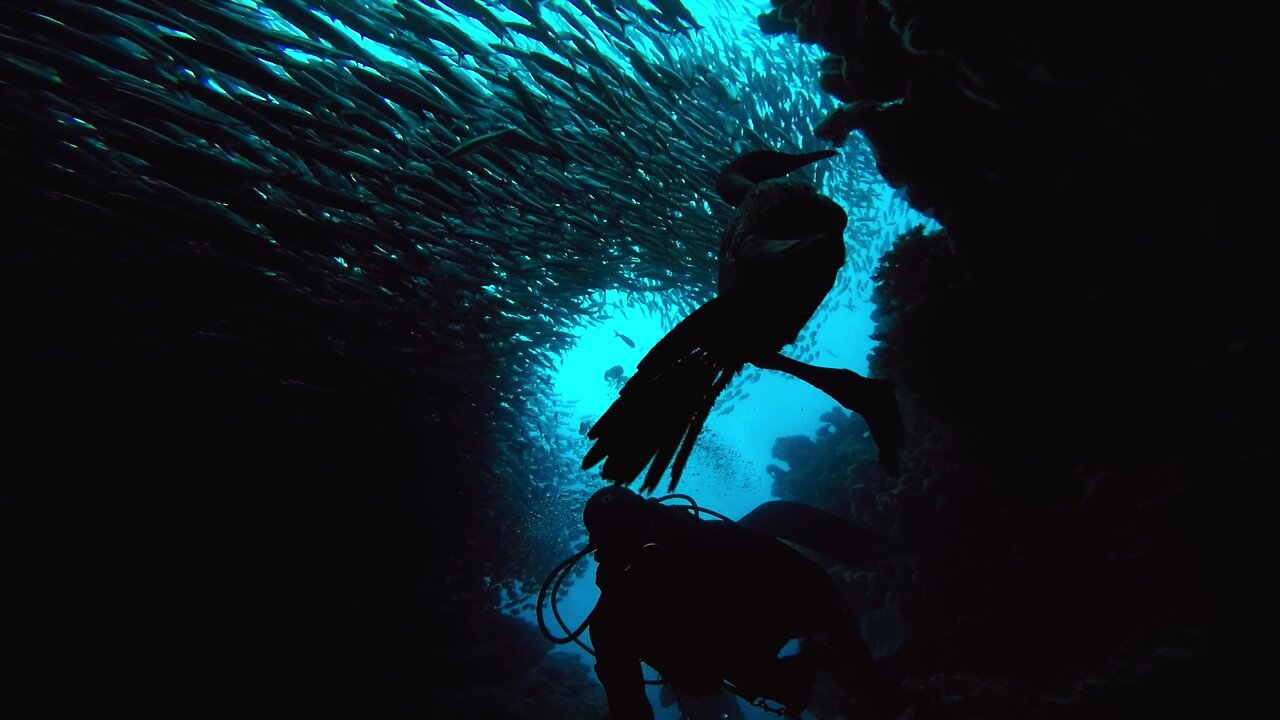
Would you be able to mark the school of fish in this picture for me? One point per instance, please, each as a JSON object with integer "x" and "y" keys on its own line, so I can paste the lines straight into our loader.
{"x": 486, "y": 175}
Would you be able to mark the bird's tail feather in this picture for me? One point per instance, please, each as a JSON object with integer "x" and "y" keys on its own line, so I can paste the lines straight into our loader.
{"x": 661, "y": 410}
{"x": 695, "y": 427}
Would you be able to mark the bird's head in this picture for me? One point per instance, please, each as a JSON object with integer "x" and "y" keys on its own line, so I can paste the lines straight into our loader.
{"x": 748, "y": 169}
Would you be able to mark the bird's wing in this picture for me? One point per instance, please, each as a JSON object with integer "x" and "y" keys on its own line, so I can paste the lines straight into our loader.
{"x": 660, "y": 411}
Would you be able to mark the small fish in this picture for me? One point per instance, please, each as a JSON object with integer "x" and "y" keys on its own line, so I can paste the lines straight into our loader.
{"x": 625, "y": 339}
{"x": 478, "y": 142}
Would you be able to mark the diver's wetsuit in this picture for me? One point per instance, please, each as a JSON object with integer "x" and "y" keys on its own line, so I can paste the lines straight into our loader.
{"x": 706, "y": 601}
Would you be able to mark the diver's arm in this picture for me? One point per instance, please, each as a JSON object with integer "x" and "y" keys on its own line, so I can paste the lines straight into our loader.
{"x": 618, "y": 666}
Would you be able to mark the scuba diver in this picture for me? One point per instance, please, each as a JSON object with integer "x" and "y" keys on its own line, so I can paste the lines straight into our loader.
{"x": 709, "y": 604}
{"x": 778, "y": 260}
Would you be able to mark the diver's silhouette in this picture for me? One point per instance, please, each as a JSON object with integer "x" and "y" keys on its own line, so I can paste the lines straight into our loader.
{"x": 705, "y": 603}
{"x": 778, "y": 260}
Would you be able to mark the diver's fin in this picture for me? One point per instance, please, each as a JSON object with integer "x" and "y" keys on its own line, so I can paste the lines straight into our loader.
{"x": 883, "y": 630}
{"x": 816, "y": 529}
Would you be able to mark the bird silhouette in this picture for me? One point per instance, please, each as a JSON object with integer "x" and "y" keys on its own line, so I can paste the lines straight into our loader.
{"x": 778, "y": 259}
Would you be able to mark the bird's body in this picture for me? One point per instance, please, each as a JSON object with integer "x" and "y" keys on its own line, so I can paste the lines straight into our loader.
{"x": 778, "y": 260}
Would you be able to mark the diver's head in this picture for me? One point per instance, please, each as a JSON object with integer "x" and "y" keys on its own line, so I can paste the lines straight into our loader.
{"x": 617, "y": 516}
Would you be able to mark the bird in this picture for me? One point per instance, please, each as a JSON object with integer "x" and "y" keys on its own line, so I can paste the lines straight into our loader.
{"x": 778, "y": 259}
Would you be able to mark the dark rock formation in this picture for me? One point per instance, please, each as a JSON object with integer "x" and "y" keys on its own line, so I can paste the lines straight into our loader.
{"x": 1085, "y": 350}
